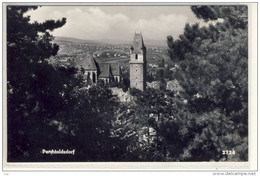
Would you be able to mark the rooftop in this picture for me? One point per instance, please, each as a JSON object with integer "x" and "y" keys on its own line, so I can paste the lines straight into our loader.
{"x": 87, "y": 62}
{"x": 138, "y": 43}
{"x": 105, "y": 70}
{"x": 116, "y": 70}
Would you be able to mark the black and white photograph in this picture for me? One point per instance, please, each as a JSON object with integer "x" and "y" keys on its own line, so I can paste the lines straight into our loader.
{"x": 127, "y": 83}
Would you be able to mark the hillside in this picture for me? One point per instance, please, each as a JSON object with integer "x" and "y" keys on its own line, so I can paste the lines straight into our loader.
{"x": 79, "y": 41}
{"x": 161, "y": 43}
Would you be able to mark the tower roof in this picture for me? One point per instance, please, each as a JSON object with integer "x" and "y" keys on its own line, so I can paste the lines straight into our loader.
{"x": 138, "y": 43}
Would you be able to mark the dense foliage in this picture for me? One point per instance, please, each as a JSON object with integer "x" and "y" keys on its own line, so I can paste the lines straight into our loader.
{"x": 214, "y": 74}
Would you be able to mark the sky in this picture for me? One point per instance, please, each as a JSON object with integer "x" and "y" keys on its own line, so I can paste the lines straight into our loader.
{"x": 117, "y": 22}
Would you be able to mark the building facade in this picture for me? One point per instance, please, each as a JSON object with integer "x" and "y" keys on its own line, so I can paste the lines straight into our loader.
{"x": 116, "y": 72}
{"x": 138, "y": 63}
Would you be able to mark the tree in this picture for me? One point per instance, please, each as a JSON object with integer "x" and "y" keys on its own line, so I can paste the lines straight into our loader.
{"x": 32, "y": 82}
{"x": 90, "y": 123}
{"x": 213, "y": 71}
{"x": 234, "y": 15}
{"x": 155, "y": 126}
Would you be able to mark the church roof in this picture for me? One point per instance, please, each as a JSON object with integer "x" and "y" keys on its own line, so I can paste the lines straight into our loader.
{"x": 116, "y": 70}
{"x": 105, "y": 70}
{"x": 87, "y": 62}
{"x": 138, "y": 43}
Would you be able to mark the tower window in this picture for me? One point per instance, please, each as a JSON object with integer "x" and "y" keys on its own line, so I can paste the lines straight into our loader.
{"x": 136, "y": 56}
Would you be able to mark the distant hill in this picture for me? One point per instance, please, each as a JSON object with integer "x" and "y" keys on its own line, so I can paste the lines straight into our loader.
{"x": 117, "y": 42}
{"x": 146, "y": 42}
{"x": 75, "y": 40}
{"x": 110, "y": 41}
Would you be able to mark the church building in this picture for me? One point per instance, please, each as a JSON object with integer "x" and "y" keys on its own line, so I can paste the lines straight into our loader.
{"x": 111, "y": 72}
{"x": 94, "y": 71}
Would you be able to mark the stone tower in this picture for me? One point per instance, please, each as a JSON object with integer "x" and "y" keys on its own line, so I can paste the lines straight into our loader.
{"x": 138, "y": 63}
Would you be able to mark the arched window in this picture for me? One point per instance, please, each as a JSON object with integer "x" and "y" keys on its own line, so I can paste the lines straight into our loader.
{"x": 136, "y": 56}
